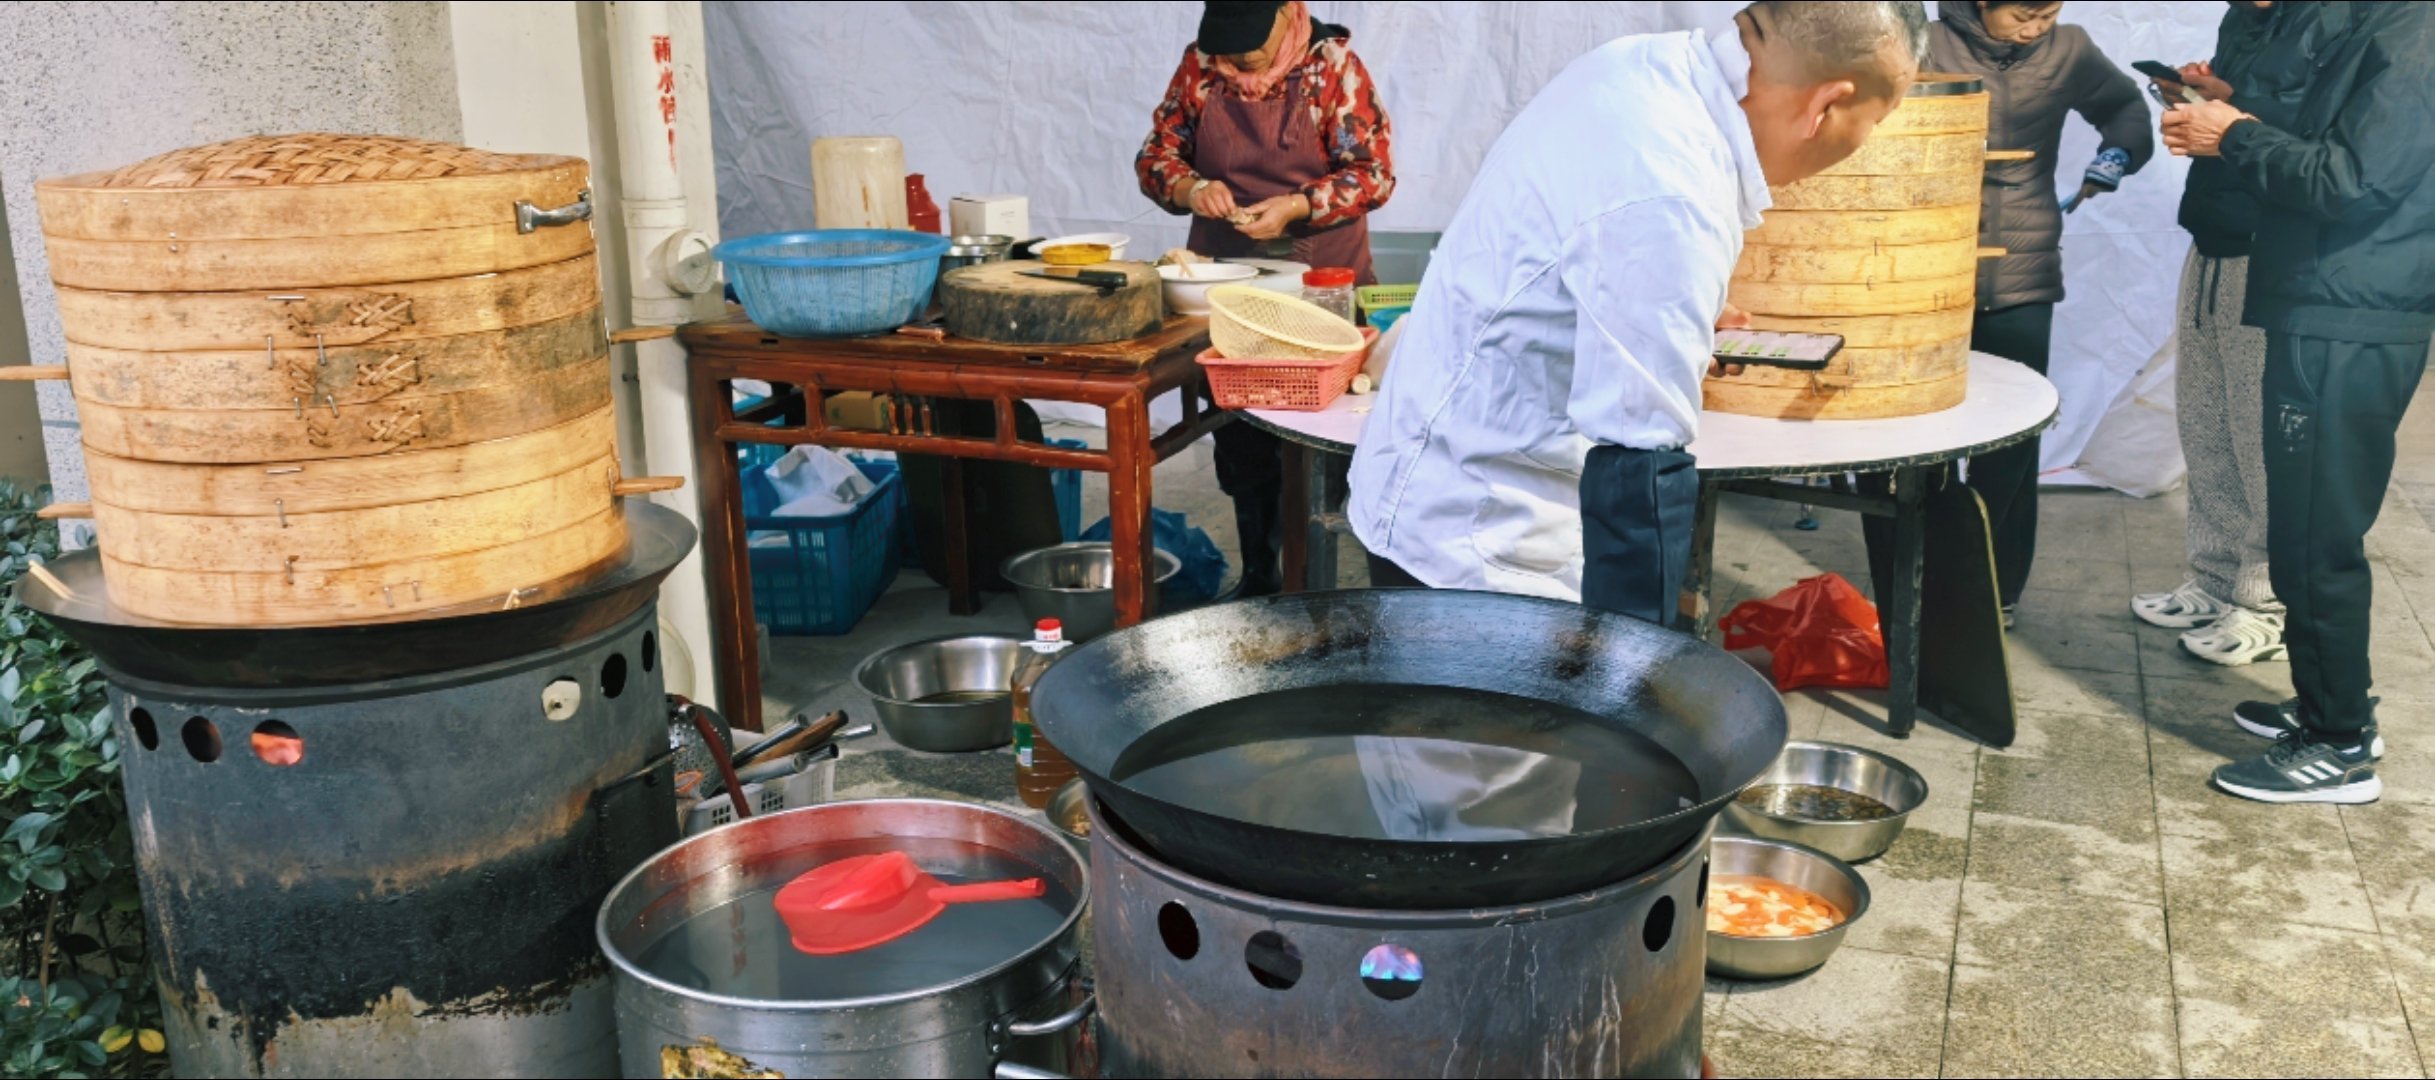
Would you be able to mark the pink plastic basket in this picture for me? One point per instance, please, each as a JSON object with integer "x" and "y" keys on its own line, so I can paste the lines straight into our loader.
{"x": 1285, "y": 385}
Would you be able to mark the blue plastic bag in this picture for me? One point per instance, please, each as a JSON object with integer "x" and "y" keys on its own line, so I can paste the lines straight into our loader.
{"x": 1204, "y": 571}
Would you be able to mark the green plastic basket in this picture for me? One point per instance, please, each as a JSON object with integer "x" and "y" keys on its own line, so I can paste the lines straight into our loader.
{"x": 1381, "y": 297}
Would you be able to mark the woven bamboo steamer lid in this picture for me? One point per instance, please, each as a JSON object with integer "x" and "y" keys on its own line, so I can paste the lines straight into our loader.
{"x": 307, "y": 210}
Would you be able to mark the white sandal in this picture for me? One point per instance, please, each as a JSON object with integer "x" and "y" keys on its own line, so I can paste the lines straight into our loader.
{"x": 2241, "y": 638}
{"x": 2184, "y": 608}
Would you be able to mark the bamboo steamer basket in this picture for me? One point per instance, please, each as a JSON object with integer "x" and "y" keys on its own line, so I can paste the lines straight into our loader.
{"x": 327, "y": 379}
{"x": 1883, "y": 249}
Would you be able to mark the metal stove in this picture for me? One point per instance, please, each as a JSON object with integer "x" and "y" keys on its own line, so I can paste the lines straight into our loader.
{"x": 1198, "y": 979}
{"x": 377, "y": 849}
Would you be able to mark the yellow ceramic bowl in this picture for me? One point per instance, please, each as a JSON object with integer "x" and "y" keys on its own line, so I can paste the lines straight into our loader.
{"x": 1076, "y": 254}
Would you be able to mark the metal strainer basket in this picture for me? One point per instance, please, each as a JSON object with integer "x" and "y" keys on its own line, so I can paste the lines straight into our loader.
{"x": 1249, "y": 323}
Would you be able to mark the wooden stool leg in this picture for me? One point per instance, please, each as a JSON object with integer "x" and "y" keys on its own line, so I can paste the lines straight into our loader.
{"x": 727, "y": 570}
{"x": 1130, "y": 534}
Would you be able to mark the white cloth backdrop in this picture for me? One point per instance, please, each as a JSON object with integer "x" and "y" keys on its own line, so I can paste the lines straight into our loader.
{"x": 1050, "y": 100}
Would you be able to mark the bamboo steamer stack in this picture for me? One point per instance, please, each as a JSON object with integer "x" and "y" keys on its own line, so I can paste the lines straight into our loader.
{"x": 1882, "y": 249}
{"x": 336, "y": 378}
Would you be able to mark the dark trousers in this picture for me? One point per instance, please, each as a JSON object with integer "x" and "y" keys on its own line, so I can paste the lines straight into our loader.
{"x": 1251, "y": 471}
{"x": 1638, "y": 508}
{"x": 1637, "y": 512}
{"x": 2006, "y": 480}
{"x": 1386, "y": 573}
{"x": 2331, "y": 411}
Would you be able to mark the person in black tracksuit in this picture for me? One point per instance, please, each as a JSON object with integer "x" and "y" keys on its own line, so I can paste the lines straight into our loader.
{"x": 2342, "y": 279}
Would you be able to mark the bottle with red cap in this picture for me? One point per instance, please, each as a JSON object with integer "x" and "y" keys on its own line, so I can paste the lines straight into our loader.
{"x": 1330, "y": 287}
{"x": 1039, "y": 769}
{"x": 921, "y": 211}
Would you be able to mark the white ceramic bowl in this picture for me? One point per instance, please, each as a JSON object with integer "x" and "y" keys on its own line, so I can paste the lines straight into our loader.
{"x": 1190, "y": 295}
{"x": 1114, "y": 240}
{"x": 1276, "y": 275}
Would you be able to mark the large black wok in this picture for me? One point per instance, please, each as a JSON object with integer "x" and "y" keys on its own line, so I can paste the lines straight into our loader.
{"x": 1710, "y": 710}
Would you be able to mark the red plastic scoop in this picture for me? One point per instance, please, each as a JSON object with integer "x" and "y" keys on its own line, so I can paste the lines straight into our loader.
{"x": 855, "y": 903}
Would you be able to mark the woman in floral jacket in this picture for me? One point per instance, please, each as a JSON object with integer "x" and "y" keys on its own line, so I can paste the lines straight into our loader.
{"x": 1271, "y": 135}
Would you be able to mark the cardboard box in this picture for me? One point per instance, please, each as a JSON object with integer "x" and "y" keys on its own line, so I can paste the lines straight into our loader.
{"x": 1001, "y": 215}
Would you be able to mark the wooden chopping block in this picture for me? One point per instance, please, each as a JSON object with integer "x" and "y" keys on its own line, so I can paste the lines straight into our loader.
{"x": 993, "y": 302}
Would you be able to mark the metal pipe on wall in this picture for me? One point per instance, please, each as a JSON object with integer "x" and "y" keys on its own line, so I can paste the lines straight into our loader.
{"x": 669, "y": 264}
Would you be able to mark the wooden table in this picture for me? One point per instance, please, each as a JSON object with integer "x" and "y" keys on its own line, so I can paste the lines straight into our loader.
{"x": 910, "y": 373}
{"x": 1943, "y": 633}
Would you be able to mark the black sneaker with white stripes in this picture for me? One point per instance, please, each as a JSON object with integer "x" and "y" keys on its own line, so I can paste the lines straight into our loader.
{"x": 2270, "y": 720}
{"x": 2297, "y": 769}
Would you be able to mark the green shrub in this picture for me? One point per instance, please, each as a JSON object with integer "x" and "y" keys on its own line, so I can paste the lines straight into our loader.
{"x": 76, "y": 998}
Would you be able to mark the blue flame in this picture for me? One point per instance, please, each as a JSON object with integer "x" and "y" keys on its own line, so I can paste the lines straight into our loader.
{"x": 1392, "y": 963}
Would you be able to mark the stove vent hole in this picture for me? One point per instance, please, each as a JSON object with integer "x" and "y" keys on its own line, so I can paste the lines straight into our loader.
{"x": 1391, "y": 971}
{"x": 202, "y": 739}
{"x": 613, "y": 675}
{"x": 1274, "y": 962}
{"x": 147, "y": 733}
{"x": 561, "y": 698}
{"x": 1177, "y": 929}
{"x": 1660, "y": 927}
{"x": 650, "y": 650}
{"x": 277, "y": 744}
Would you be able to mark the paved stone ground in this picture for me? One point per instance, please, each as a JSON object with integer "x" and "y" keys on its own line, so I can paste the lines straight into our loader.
{"x": 2079, "y": 904}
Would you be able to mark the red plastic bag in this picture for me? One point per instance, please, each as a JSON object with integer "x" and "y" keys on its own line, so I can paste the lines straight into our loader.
{"x": 1821, "y": 632}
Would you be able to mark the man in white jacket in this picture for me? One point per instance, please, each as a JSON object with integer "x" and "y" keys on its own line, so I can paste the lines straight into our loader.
{"x": 1530, "y": 436}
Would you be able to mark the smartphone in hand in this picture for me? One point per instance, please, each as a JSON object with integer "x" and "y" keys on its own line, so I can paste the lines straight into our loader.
{"x": 2162, "y": 72}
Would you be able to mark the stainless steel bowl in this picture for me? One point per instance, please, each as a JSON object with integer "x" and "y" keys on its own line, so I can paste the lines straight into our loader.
{"x": 1802, "y": 867}
{"x": 971, "y": 249}
{"x": 1067, "y": 815}
{"x": 1846, "y": 768}
{"x": 947, "y": 695}
{"x": 1074, "y": 584}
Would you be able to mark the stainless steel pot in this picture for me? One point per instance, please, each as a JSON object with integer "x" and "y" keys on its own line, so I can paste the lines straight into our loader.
{"x": 1075, "y": 584}
{"x": 1002, "y": 1020}
{"x": 947, "y": 695}
{"x": 972, "y": 249}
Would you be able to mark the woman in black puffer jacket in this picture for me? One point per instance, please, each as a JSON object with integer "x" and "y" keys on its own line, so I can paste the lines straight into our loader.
{"x": 2036, "y": 74}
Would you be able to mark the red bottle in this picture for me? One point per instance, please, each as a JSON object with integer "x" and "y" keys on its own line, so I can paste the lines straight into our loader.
{"x": 921, "y": 213}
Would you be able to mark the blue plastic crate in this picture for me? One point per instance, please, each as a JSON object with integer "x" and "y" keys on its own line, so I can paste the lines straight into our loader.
{"x": 1066, "y": 485}
{"x": 828, "y": 571}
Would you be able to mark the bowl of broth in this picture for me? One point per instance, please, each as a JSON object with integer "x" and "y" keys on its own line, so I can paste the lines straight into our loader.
{"x": 1846, "y": 801}
{"x": 1776, "y": 909}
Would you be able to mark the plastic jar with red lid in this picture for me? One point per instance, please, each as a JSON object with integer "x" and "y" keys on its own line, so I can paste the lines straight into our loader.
{"x": 1330, "y": 287}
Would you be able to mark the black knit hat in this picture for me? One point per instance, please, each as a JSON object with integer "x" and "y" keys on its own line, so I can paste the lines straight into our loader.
{"x": 1234, "y": 27}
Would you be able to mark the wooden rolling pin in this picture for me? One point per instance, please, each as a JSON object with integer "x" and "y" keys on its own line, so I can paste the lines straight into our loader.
{"x": 34, "y": 373}
{"x": 2011, "y": 155}
{"x": 56, "y": 511}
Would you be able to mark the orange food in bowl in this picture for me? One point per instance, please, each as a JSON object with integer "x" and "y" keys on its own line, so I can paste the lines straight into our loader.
{"x": 1745, "y": 905}
{"x": 1076, "y": 254}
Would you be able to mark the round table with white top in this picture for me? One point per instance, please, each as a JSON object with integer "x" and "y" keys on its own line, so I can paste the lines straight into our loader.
{"x": 2006, "y": 404}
